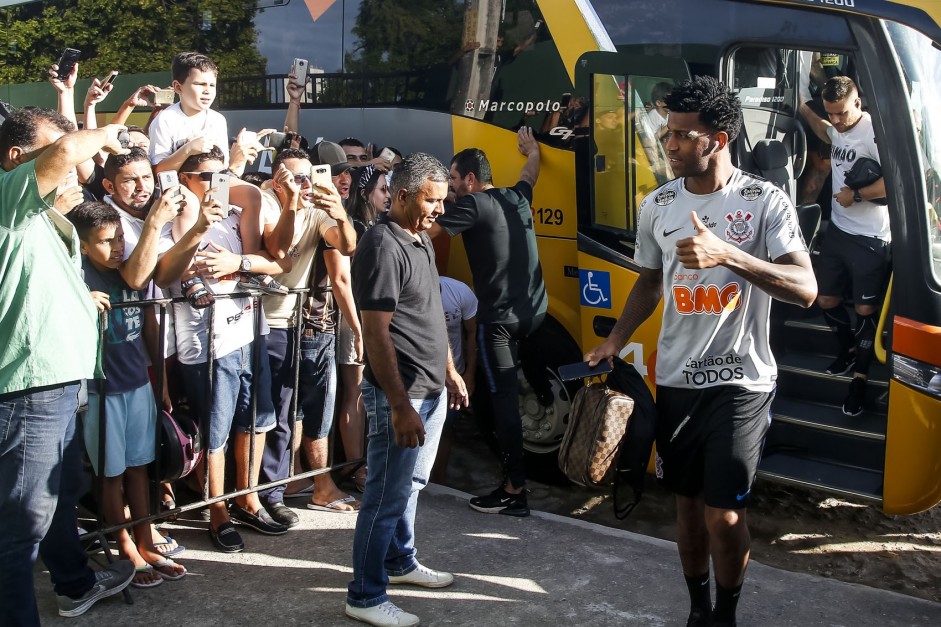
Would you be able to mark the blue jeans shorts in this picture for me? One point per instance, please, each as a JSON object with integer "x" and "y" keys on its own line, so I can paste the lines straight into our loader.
{"x": 131, "y": 419}
{"x": 231, "y": 405}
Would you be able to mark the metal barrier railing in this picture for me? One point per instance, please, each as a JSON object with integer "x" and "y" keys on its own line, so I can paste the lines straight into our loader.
{"x": 103, "y": 528}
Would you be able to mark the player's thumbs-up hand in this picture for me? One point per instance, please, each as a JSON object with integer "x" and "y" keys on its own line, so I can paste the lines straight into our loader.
{"x": 703, "y": 250}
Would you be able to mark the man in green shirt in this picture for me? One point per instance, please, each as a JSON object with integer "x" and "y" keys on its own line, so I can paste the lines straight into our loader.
{"x": 48, "y": 331}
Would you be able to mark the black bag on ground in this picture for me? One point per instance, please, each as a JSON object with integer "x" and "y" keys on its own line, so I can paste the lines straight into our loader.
{"x": 634, "y": 453}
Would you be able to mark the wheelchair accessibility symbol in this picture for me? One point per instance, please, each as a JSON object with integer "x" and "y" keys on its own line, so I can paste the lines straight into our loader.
{"x": 595, "y": 288}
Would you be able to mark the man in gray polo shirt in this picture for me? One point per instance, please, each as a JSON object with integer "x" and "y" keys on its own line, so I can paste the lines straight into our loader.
{"x": 395, "y": 285}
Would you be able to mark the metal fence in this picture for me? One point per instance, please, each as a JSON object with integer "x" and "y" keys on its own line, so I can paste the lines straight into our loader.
{"x": 156, "y": 514}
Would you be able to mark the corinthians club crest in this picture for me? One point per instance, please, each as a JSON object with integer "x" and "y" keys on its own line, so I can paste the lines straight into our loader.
{"x": 739, "y": 229}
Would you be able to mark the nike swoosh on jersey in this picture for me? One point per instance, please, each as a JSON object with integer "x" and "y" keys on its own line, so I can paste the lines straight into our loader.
{"x": 667, "y": 233}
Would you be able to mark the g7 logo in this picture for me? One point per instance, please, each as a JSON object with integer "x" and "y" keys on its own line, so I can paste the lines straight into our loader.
{"x": 562, "y": 131}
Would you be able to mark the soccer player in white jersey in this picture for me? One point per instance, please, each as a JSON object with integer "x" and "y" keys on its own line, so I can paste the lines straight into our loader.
{"x": 857, "y": 246}
{"x": 717, "y": 244}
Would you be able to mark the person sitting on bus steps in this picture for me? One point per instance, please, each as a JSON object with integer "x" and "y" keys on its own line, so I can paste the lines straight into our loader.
{"x": 48, "y": 330}
{"x": 715, "y": 369}
{"x": 500, "y": 240}
{"x": 856, "y": 249}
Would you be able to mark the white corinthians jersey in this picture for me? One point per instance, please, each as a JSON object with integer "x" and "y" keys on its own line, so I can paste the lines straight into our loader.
{"x": 715, "y": 323}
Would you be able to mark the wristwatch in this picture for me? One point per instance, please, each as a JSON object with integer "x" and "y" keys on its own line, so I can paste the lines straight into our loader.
{"x": 246, "y": 265}
{"x": 857, "y": 197}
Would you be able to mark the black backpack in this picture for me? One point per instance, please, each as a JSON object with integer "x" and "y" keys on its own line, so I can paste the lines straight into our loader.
{"x": 635, "y": 449}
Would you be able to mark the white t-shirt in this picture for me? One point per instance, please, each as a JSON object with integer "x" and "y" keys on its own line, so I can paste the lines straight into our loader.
{"x": 459, "y": 304}
{"x": 309, "y": 226}
{"x": 234, "y": 324}
{"x": 715, "y": 323}
{"x": 133, "y": 227}
{"x": 861, "y": 218}
{"x": 657, "y": 121}
{"x": 172, "y": 128}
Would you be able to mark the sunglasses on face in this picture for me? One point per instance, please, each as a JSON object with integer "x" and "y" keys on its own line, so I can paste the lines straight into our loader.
{"x": 300, "y": 179}
{"x": 203, "y": 175}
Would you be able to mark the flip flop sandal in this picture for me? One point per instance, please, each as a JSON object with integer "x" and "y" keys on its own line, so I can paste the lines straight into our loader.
{"x": 167, "y": 563}
{"x": 332, "y": 506}
{"x": 199, "y": 291}
{"x": 168, "y": 541}
{"x": 149, "y": 570}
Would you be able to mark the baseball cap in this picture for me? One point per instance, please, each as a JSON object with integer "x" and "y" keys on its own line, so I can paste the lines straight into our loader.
{"x": 328, "y": 153}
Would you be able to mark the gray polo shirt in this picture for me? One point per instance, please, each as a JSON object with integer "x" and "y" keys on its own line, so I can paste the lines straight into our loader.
{"x": 394, "y": 272}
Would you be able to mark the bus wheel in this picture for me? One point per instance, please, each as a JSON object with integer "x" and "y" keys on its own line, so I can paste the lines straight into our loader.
{"x": 545, "y": 400}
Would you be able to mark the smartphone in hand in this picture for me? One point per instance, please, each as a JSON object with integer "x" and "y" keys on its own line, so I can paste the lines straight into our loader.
{"x": 387, "y": 155}
{"x": 581, "y": 370}
{"x": 66, "y": 62}
{"x": 110, "y": 78}
{"x": 321, "y": 177}
{"x": 168, "y": 179}
{"x": 299, "y": 70}
{"x": 220, "y": 182}
{"x": 164, "y": 97}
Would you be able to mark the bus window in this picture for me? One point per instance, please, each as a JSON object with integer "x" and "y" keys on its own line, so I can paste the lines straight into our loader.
{"x": 921, "y": 63}
{"x": 610, "y": 207}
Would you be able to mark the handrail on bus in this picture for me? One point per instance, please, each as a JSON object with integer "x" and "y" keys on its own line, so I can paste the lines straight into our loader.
{"x": 879, "y": 347}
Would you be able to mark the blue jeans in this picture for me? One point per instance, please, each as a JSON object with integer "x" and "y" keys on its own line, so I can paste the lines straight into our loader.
{"x": 39, "y": 458}
{"x": 232, "y": 379}
{"x": 317, "y": 389}
{"x": 384, "y": 540}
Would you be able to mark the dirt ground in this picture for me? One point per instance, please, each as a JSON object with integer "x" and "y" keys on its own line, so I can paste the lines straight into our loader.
{"x": 792, "y": 528}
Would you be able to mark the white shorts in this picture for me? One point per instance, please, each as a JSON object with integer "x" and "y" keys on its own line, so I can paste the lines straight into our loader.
{"x": 346, "y": 346}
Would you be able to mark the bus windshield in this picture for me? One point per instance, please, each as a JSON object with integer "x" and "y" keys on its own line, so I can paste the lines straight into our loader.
{"x": 921, "y": 63}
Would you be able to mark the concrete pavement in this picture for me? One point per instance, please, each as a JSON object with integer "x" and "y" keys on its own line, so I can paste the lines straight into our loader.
{"x": 542, "y": 570}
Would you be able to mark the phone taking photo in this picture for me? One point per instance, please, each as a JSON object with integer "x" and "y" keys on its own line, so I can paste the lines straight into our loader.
{"x": 110, "y": 78}
{"x": 66, "y": 62}
{"x": 164, "y": 97}
{"x": 387, "y": 155}
{"x": 299, "y": 70}
{"x": 320, "y": 176}
{"x": 168, "y": 179}
{"x": 220, "y": 182}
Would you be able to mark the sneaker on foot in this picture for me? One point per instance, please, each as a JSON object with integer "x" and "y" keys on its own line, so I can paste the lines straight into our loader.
{"x": 384, "y": 615}
{"x": 424, "y": 577}
{"x": 853, "y": 405}
{"x": 111, "y": 580}
{"x": 501, "y": 502}
{"x": 842, "y": 364}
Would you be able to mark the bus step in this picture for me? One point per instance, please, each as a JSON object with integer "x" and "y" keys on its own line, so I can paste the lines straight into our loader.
{"x": 810, "y": 332}
{"x": 837, "y": 447}
{"x": 860, "y": 484}
{"x": 802, "y": 375}
{"x": 869, "y": 424}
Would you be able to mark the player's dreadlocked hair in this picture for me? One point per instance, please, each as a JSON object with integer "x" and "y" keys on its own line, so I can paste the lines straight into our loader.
{"x": 717, "y": 106}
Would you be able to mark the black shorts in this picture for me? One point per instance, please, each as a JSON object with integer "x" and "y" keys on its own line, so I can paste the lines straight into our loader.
{"x": 856, "y": 260}
{"x": 709, "y": 442}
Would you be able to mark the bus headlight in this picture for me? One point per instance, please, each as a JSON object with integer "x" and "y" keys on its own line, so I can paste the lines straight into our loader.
{"x": 917, "y": 374}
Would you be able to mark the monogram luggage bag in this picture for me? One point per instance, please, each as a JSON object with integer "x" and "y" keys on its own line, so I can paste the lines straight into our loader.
{"x": 597, "y": 423}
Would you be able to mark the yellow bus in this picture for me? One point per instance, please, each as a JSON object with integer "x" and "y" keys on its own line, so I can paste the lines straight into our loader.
{"x": 442, "y": 75}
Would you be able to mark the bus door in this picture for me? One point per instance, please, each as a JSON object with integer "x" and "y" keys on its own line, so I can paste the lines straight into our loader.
{"x": 624, "y": 160}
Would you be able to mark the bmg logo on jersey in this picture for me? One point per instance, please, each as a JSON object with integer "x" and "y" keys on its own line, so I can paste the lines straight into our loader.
{"x": 706, "y": 299}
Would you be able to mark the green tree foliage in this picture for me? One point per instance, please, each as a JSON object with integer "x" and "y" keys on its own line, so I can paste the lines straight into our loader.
{"x": 402, "y": 35}
{"x": 131, "y": 36}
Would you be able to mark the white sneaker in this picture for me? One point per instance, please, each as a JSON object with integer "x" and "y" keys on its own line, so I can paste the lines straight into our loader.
{"x": 424, "y": 577}
{"x": 385, "y": 615}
